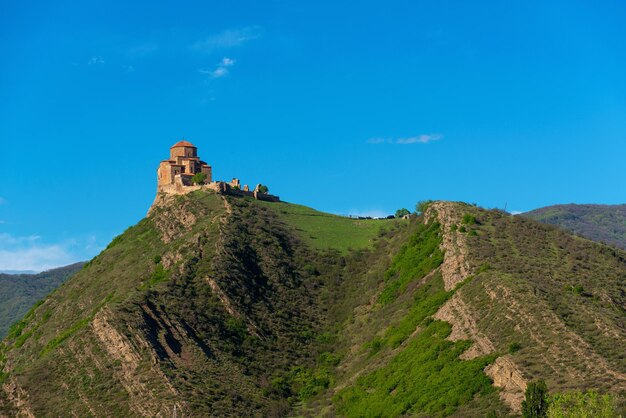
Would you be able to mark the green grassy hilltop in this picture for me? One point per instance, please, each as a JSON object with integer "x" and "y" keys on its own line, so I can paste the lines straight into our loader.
{"x": 222, "y": 306}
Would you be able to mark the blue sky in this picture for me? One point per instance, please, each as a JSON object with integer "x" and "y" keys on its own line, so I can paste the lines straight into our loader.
{"x": 352, "y": 108}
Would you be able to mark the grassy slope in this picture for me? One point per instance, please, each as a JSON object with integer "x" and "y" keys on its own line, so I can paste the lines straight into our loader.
{"x": 394, "y": 359}
{"x": 217, "y": 347}
{"x": 256, "y": 309}
{"x": 559, "y": 297}
{"x": 19, "y": 292}
{"x": 602, "y": 223}
{"x": 324, "y": 231}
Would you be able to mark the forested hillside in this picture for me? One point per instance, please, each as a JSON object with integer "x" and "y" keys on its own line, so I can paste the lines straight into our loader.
{"x": 19, "y": 292}
{"x": 602, "y": 223}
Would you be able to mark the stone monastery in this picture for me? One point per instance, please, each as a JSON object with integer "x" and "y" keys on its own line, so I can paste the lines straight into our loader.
{"x": 182, "y": 166}
{"x": 185, "y": 172}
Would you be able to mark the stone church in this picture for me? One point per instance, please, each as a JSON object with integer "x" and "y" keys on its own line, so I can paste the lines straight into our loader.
{"x": 183, "y": 162}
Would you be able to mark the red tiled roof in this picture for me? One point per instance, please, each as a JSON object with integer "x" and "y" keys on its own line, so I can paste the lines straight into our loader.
{"x": 183, "y": 144}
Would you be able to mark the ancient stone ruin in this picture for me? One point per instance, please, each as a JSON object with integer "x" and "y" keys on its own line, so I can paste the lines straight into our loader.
{"x": 180, "y": 174}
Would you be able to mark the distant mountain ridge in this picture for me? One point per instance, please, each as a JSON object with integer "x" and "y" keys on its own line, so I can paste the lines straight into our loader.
{"x": 601, "y": 223}
{"x": 19, "y": 292}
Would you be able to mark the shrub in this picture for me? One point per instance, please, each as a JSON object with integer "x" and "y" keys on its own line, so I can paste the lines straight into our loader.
{"x": 198, "y": 178}
{"x": 402, "y": 212}
{"x": 469, "y": 219}
{"x": 311, "y": 270}
{"x": 422, "y": 205}
{"x": 578, "y": 404}
{"x": 375, "y": 345}
{"x": 483, "y": 268}
{"x": 263, "y": 188}
{"x": 158, "y": 275}
{"x": 514, "y": 347}
{"x": 535, "y": 405}
{"x": 329, "y": 359}
{"x": 308, "y": 382}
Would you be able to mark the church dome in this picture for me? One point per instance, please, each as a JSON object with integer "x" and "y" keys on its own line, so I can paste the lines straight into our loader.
{"x": 183, "y": 144}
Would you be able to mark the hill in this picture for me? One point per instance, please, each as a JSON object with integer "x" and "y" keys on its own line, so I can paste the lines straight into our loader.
{"x": 19, "y": 292}
{"x": 223, "y": 306}
{"x": 602, "y": 223}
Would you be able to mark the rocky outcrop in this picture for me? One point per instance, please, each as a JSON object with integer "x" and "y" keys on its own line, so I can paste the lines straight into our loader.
{"x": 455, "y": 267}
{"x": 18, "y": 397}
{"x": 507, "y": 376}
{"x": 174, "y": 219}
{"x": 142, "y": 399}
{"x": 464, "y": 327}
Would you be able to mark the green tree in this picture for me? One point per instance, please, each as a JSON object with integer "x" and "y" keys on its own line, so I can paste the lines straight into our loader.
{"x": 263, "y": 188}
{"x": 536, "y": 403}
{"x": 421, "y": 206}
{"x": 402, "y": 212}
{"x": 198, "y": 178}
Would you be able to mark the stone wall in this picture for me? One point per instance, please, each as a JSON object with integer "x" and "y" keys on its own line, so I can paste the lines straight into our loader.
{"x": 183, "y": 152}
{"x": 179, "y": 188}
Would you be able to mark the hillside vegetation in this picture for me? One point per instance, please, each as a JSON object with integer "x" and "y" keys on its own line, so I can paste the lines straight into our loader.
{"x": 19, "y": 292}
{"x": 602, "y": 223}
{"x": 222, "y": 306}
{"x": 324, "y": 231}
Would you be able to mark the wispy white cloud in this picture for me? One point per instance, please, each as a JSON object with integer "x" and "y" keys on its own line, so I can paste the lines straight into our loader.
{"x": 96, "y": 60}
{"x": 8, "y": 239}
{"x": 30, "y": 253}
{"x": 419, "y": 139}
{"x": 227, "y": 62}
{"x": 35, "y": 258}
{"x": 229, "y": 38}
{"x": 220, "y": 70}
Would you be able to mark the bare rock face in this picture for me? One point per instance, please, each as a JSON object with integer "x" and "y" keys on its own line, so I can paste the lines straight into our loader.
{"x": 173, "y": 219}
{"x": 507, "y": 376}
{"x": 18, "y": 397}
{"x": 464, "y": 327}
{"x": 122, "y": 350}
{"x": 455, "y": 267}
